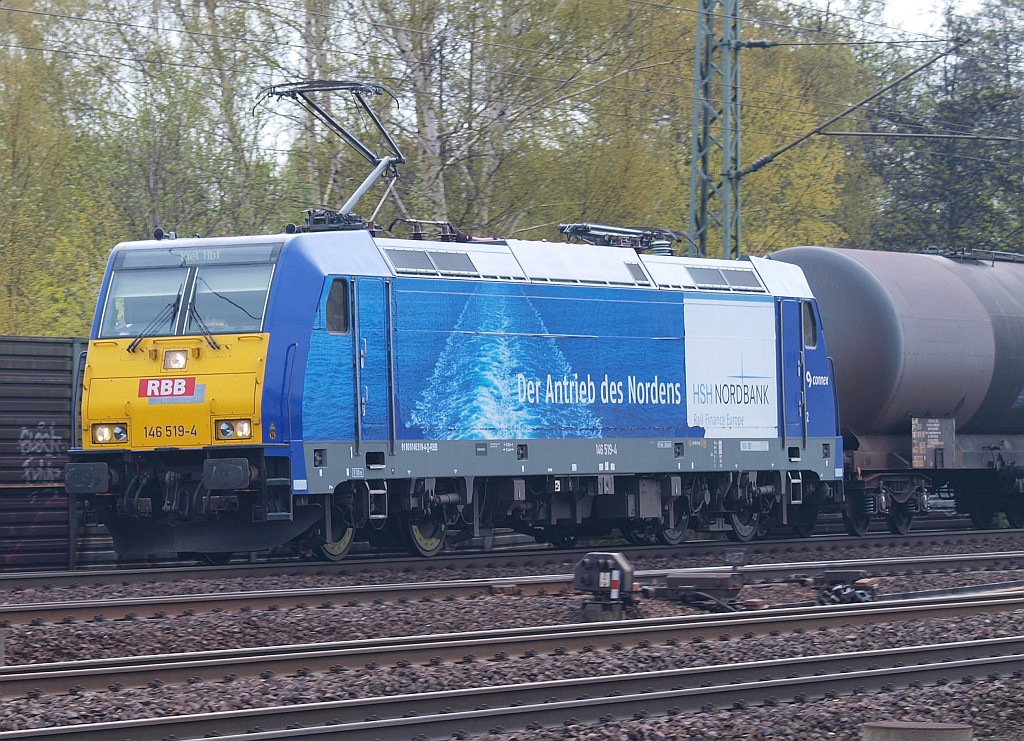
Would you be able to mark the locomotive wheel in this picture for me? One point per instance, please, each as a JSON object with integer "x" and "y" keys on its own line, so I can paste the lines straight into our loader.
{"x": 676, "y": 533}
{"x": 744, "y": 525}
{"x": 424, "y": 532}
{"x": 636, "y": 534}
{"x": 632, "y": 535}
{"x": 803, "y": 518}
{"x": 855, "y": 518}
{"x": 899, "y": 518}
{"x": 342, "y": 537}
{"x": 982, "y": 517}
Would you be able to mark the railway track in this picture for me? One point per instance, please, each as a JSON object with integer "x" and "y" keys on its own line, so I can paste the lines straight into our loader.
{"x": 93, "y": 550}
{"x": 166, "y": 606}
{"x": 487, "y": 645}
{"x": 520, "y": 561}
{"x": 522, "y": 705}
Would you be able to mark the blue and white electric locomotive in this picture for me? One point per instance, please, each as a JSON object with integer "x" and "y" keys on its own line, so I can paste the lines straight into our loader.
{"x": 310, "y": 388}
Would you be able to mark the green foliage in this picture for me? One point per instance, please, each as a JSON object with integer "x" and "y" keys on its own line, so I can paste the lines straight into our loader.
{"x": 957, "y": 189}
{"x": 514, "y": 116}
{"x": 796, "y": 199}
{"x": 64, "y": 291}
{"x": 56, "y": 226}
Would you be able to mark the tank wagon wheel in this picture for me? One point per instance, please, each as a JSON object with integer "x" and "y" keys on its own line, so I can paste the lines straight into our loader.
{"x": 1015, "y": 514}
{"x": 744, "y": 525}
{"x": 221, "y": 558}
{"x": 675, "y": 532}
{"x": 856, "y": 518}
{"x": 983, "y": 517}
{"x": 561, "y": 538}
{"x": 342, "y": 536}
{"x": 899, "y": 518}
{"x": 423, "y": 532}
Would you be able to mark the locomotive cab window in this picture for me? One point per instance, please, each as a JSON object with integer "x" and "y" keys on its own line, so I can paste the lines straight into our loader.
{"x": 141, "y": 299}
{"x": 162, "y": 292}
{"x": 229, "y": 299}
{"x": 337, "y": 307}
{"x": 810, "y": 325}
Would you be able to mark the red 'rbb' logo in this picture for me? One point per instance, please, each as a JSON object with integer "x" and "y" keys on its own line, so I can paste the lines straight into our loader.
{"x": 160, "y": 387}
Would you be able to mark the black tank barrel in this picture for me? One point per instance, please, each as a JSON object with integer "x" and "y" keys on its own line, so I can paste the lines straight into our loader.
{"x": 920, "y": 335}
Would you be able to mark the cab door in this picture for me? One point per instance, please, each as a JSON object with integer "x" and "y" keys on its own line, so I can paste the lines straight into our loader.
{"x": 819, "y": 387}
{"x": 372, "y": 337}
{"x": 791, "y": 371}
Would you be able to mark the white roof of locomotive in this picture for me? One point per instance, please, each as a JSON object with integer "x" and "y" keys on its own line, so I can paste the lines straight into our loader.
{"x": 559, "y": 262}
{"x": 525, "y": 261}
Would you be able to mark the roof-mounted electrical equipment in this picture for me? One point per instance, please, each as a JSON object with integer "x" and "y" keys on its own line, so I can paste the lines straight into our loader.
{"x": 641, "y": 239}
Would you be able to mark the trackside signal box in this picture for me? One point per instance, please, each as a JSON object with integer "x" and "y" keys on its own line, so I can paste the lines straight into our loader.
{"x": 609, "y": 578}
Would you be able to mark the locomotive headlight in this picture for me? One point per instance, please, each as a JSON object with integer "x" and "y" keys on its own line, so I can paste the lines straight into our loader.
{"x": 175, "y": 359}
{"x": 234, "y": 429}
{"x": 104, "y": 434}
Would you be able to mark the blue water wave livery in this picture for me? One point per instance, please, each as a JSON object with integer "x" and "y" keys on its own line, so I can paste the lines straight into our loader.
{"x": 328, "y": 406}
{"x": 500, "y": 361}
{"x": 472, "y": 390}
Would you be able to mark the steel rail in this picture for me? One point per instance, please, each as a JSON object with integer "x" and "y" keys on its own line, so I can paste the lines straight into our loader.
{"x": 181, "y": 605}
{"x": 487, "y": 645}
{"x": 477, "y": 710}
{"x": 190, "y": 604}
{"x": 542, "y": 556}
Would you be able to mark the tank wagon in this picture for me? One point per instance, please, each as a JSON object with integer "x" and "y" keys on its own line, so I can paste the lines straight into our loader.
{"x": 928, "y": 355}
{"x": 311, "y": 388}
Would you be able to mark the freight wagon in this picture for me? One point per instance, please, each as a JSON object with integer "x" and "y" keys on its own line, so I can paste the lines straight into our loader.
{"x": 37, "y": 529}
{"x": 929, "y": 359}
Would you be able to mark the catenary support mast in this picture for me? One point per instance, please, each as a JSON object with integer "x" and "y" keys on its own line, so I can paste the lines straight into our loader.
{"x": 714, "y": 182}
{"x": 715, "y": 171}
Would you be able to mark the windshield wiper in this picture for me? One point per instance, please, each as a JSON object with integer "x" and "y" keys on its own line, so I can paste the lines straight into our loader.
{"x": 166, "y": 313}
{"x": 203, "y": 329}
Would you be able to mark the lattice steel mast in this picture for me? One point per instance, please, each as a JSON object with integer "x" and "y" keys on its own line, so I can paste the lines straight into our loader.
{"x": 714, "y": 192}
{"x": 714, "y": 188}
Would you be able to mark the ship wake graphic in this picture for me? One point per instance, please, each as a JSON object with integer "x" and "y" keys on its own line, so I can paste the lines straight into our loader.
{"x": 472, "y": 392}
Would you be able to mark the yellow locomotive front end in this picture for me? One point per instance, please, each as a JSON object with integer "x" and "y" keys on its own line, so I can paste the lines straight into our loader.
{"x": 173, "y": 393}
{"x": 171, "y": 455}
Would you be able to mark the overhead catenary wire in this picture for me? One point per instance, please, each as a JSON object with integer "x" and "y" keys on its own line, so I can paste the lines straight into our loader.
{"x": 767, "y": 159}
{"x": 751, "y": 91}
{"x": 598, "y": 85}
{"x": 546, "y": 52}
{"x": 898, "y": 135}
